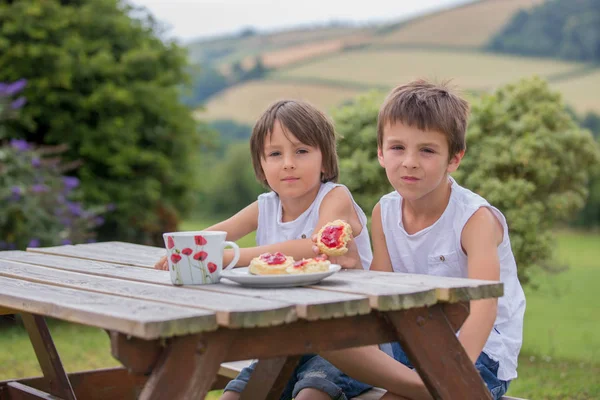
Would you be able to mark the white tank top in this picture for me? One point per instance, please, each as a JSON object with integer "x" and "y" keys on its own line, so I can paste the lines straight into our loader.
{"x": 272, "y": 230}
{"x": 437, "y": 250}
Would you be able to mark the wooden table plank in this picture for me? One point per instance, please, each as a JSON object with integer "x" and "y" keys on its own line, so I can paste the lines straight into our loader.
{"x": 382, "y": 296}
{"x": 310, "y": 304}
{"x": 85, "y": 252}
{"x": 139, "y": 318}
{"x": 232, "y": 311}
{"x": 448, "y": 289}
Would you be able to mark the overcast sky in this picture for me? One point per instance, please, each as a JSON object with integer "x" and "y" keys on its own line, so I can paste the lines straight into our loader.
{"x": 190, "y": 19}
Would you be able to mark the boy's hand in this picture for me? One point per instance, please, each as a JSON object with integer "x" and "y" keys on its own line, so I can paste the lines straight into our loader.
{"x": 350, "y": 260}
{"x": 162, "y": 264}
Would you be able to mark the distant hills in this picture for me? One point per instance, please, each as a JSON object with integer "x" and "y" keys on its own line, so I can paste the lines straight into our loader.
{"x": 330, "y": 65}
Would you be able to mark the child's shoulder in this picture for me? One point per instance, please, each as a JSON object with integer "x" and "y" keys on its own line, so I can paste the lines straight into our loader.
{"x": 267, "y": 196}
{"x": 391, "y": 196}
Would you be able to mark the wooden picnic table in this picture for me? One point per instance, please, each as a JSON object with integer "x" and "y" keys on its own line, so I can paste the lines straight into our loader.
{"x": 172, "y": 340}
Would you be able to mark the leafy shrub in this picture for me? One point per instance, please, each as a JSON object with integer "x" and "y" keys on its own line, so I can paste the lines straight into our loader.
{"x": 39, "y": 204}
{"x": 104, "y": 82}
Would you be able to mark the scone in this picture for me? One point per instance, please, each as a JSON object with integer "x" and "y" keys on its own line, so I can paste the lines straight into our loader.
{"x": 309, "y": 266}
{"x": 333, "y": 237}
{"x": 270, "y": 264}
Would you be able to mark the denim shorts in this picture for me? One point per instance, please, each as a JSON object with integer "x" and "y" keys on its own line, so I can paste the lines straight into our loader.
{"x": 488, "y": 369}
{"x": 312, "y": 372}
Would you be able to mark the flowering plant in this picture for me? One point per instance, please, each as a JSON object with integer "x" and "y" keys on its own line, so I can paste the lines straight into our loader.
{"x": 39, "y": 206}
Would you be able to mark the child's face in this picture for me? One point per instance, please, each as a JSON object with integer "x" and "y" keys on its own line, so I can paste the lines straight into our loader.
{"x": 415, "y": 161}
{"x": 292, "y": 169}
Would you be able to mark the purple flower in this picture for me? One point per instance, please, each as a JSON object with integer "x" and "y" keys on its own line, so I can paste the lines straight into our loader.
{"x": 99, "y": 221}
{"x": 90, "y": 241}
{"x": 3, "y": 245}
{"x": 16, "y": 193}
{"x": 110, "y": 207}
{"x": 65, "y": 221}
{"x": 75, "y": 209}
{"x": 20, "y": 145}
{"x": 66, "y": 241}
{"x": 36, "y": 162}
{"x": 12, "y": 88}
{"x": 40, "y": 188}
{"x": 34, "y": 243}
{"x": 70, "y": 182}
{"x": 18, "y": 103}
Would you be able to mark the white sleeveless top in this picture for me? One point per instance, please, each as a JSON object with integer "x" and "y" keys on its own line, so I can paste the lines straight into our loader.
{"x": 437, "y": 250}
{"x": 272, "y": 230}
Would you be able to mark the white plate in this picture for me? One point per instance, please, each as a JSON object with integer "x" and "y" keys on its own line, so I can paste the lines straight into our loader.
{"x": 243, "y": 277}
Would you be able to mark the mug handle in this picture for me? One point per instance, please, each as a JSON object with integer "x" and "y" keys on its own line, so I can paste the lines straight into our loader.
{"x": 236, "y": 254}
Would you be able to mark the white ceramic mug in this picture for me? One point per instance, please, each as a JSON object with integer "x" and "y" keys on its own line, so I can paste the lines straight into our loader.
{"x": 196, "y": 258}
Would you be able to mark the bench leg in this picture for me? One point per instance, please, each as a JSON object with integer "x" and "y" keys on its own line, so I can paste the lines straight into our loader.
{"x": 269, "y": 378}
{"x": 428, "y": 336}
{"x": 188, "y": 367}
{"x": 48, "y": 358}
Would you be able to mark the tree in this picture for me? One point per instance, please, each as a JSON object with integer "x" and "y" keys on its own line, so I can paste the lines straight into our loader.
{"x": 231, "y": 184}
{"x": 568, "y": 29}
{"x": 526, "y": 156}
{"x": 105, "y": 84}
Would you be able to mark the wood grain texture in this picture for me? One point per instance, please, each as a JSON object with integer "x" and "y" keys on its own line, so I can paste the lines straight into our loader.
{"x": 19, "y": 391}
{"x": 99, "y": 384}
{"x": 139, "y": 318}
{"x": 431, "y": 344}
{"x": 310, "y": 304}
{"x": 48, "y": 358}
{"x": 232, "y": 311}
{"x": 448, "y": 289}
{"x": 269, "y": 378}
{"x": 382, "y": 297}
{"x": 137, "y": 259}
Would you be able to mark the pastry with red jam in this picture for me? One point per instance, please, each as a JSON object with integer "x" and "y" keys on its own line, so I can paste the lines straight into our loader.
{"x": 309, "y": 266}
{"x": 333, "y": 237}
{"x": 270, "y": 264}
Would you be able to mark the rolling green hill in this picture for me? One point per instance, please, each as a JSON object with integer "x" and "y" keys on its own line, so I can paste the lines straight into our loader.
{"x": 330, "y": 68}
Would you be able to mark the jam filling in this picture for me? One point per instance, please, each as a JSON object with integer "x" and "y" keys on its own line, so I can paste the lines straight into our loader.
{"x": 301, "y": 263}
{"x": 273, "y": 258}
{"x": 331, "y": 236}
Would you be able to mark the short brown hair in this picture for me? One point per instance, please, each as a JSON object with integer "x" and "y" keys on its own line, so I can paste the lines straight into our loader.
{"x": 427, "y": 106}
{"x": 309, "y": 125}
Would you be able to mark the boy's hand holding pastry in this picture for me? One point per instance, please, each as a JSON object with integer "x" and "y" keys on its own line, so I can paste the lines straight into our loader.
{"x": 334, "y": 241}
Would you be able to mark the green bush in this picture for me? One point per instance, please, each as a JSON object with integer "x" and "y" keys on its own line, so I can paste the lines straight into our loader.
{"x": 230, "y": 185}
{"x": 106, "y": 85}
{"x": 525, "y": 155}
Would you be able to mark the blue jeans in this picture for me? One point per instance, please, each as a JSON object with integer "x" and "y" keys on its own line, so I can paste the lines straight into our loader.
{"x": 312, "y": 372}
{"x": 488, "y": 369}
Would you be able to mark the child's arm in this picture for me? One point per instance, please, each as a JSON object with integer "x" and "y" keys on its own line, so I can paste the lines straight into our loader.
{"x": 381, "y": 257}
{"x": 240, "y": 224}
{"x": 480, "y": 239}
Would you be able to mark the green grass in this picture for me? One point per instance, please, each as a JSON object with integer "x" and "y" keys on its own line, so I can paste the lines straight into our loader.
{"x": 560, "y": 358}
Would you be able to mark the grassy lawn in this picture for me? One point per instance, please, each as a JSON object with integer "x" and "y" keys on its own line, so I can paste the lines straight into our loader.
{"x": 560, "y": 357}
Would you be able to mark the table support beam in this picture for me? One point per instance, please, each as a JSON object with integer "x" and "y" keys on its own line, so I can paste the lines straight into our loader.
{"x": 429, "y": 339}
{"x": 48, "y": 358}
{"x": 269, "y": 378}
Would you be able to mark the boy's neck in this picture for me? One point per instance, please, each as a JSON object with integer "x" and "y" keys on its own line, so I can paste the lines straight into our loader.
{"x": 424, "y": 212}
{"x": 294, "y": 207}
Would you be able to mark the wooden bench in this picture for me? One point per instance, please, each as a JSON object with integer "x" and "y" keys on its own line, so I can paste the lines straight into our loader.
{"x": 231, "y": 369}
